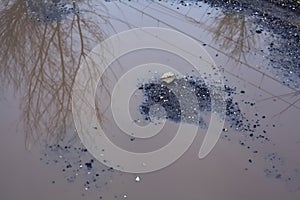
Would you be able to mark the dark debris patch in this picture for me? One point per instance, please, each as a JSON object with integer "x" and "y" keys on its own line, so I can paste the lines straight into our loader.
{"x": 159, "y": 93}
{"x": 276, "y": 169}
{"x": 162, "y": 95}
{"x": 50, "y": 11}
{"x": 78, "y": 165}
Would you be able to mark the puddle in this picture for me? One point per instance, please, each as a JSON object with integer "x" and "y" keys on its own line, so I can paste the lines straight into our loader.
{"x": 43, "y": 44}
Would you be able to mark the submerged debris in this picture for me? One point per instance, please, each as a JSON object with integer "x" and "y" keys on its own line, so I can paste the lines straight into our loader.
{"x": 188, "y": 100}
{"x": 77, "y": 164}
{"x": 50, "y": 11}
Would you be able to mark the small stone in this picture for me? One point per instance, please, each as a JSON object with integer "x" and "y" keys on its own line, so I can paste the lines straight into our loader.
{"x": 259, "y": 31}
{"x": 89, "y": 166}
{"x": 278, "y": 176}
{"x": 168, "y": 77}
{"x": 137, "y": 179}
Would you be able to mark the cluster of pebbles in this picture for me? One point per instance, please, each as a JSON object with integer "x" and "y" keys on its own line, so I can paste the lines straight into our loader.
{"x": 186, "y": 100}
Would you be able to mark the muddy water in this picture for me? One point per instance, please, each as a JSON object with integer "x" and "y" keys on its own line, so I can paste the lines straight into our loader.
{"x": 40, "y": 57}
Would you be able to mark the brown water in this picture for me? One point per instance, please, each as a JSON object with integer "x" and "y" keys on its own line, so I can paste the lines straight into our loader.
{"x": 39, "y": 62}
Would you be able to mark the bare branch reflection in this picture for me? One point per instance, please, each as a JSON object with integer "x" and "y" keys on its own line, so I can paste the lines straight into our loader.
{"x": 41, "y": 59}
{"x": 233, "y": 34}
{"x": 294, "y": 94}
{"x": 239, "y": 41}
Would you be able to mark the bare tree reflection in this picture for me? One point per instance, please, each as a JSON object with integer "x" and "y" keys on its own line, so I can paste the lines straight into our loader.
{"x": 294, "y": 94}
{"x": 233, "y": 33}
{"x": 41, "y": 60}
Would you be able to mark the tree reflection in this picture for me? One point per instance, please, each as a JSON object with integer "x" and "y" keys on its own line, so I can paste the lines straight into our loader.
{"x": 232, "y": 32}
{"x": 239, "y": 41}
{"x": 41, "y": 58}
{"x": 295, "y": 94}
